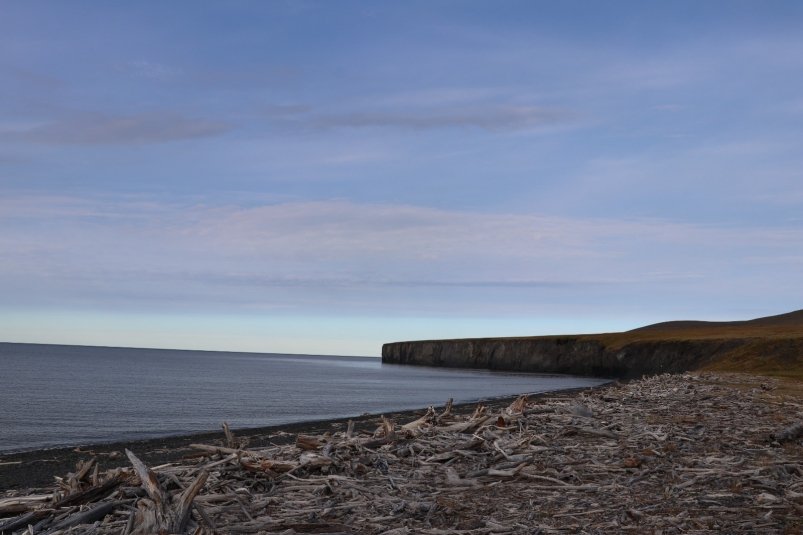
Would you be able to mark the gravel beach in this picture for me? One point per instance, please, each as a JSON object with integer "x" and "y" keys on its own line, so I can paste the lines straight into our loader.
{"x": 36, "y": 468}
{"x": 692, "y": 453}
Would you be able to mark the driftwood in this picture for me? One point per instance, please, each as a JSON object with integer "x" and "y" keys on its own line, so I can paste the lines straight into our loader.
{"x": 21, "y": 504}
{"x": 231, "y": 442}
{"x": 306, "y": 442}
{"x": 88, "y": 516}
{"x": 415, "y": 427}
{"x": 668, "y": 454}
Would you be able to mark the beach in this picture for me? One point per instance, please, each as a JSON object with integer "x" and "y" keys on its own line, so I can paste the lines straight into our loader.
{"x": 130, "y": 394}
{"x": 692, "y": 453}
{"x": 32, "y": 469}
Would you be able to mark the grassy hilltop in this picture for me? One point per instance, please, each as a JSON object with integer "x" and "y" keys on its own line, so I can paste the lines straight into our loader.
{"x": 772, "y": 345}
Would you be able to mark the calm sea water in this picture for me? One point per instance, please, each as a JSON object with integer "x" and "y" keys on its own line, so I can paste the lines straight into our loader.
{"x": 70, "y": 395}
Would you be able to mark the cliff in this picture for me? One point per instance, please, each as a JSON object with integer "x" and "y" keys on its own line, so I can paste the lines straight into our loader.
{"x": 772, "y": 345}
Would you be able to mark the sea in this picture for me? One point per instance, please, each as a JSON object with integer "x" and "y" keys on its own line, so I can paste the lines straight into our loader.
{"x": 53, "y": 396}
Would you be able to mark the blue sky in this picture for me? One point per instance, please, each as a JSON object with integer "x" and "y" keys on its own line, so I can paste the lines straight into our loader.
{"x": 323, "y": 177}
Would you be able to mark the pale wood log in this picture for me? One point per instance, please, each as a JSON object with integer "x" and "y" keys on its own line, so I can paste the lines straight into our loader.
{"x": 455, "y": 480}
{"x": 155, "y": 520}
{"x": 231, "y": 442}
{"x": 218, "y": 450}
{"x": 470, "y": 425}
{"x": 149, "y": 480}
{"x": 415, "y": 426}
{"x": 479, "y": 411}
{"x": 350, "y": 430}
{"x": 184, "y": 505}
{"x": 314, "y": 460}
{"x": 85, "y": 468}
{"x": 447, "y": 411}
{"x": 267, "y": 465}
{"x": 386, "y": 428}
{"x": 518, "y": 406}
{"x": 307, "y": 442}
{"x": 377, "y": 442}
{"x": 22, "y": 504}
{"x": 148, "y": 521}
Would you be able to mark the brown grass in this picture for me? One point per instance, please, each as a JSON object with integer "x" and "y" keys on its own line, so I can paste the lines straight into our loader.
{"x": 771, "y": 346}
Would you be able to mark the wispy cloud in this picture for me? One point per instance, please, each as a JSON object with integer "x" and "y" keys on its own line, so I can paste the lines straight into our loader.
{"x": 32, "y": 79}
{"x": 143, "y": 68}
{"x": 106, "y": 129}
{"x": 426, "y": 110}
{"x": 483, "y": 117}
{"x": 340, "y": 253}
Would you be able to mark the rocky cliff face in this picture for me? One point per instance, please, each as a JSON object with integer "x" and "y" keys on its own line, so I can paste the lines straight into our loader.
{"x": 570, "y": 355}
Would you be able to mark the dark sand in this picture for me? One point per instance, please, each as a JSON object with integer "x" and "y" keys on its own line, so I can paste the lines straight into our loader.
{"x": 36, "y": 469}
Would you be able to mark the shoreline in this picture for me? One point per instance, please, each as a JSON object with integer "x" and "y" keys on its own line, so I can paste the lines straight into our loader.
{"x": 36, "y": 468}
{"x": 684, "y": 453}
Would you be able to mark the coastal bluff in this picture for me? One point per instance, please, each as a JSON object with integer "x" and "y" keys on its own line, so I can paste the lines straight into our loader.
{"x": 771, "y": 345}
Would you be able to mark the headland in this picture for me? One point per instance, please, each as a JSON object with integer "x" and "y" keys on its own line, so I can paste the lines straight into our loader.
{"x": 768, "y": 346}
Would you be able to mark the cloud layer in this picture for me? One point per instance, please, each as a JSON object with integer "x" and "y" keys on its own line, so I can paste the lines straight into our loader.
{"x": 401, "y": 161}
{"x": 103, "y": 129}
{"x": 482, "y": 116}
{"x": 338, "y": 253}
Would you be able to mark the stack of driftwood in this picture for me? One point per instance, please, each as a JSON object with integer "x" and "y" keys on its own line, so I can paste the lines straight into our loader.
{"x": 667, "y": 454}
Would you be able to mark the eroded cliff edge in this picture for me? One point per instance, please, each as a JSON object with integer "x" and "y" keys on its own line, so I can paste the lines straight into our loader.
{"x": 772, "y": 345}
{"x": 568, "y": 355}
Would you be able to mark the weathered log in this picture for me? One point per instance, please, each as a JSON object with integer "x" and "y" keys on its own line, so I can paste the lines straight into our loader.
{"x": 22, "y": 504}
{"x": 414, "y": 427}
{"x": 470, "y": 425}
{"x": 372, "y": 443}
{"x": 307, "y": 442}
{"x": 447, "y": 411}
{"x": 350, "y": 430}
{"x": 258, "y": 464}
{"x": 10, "y": 525}
{"x": 386, "y": 428}
{"x": 91, "y": 494}
{"x": 148, "y": 480}
{"x": 518, "y": 406}
{"x": 182, "y": 513}
{"x": 218, "y": 450}
{"x": 231, "y": 442}
{"x": 84, "y": 471}
{"x": 88, "y": 516}
{"x": 158, "y": 516}
{"x": 314, "y": 460}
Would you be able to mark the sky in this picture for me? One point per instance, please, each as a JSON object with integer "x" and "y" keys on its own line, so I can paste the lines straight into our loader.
{"x": 324, "y": 177}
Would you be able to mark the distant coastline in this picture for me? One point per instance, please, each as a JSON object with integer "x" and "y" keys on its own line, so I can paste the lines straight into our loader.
{"x": 191, "y": 350}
